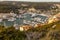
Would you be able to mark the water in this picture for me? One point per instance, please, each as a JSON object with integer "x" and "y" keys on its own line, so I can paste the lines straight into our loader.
{"x": 26, "y": 17}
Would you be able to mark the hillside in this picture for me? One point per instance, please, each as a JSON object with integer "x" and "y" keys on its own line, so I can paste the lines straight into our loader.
{"x": 7, "y": 6}
{"x": 46, "y": 32}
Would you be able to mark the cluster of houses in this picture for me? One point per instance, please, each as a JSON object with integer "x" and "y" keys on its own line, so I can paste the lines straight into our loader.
{"x": 31, "y": 17}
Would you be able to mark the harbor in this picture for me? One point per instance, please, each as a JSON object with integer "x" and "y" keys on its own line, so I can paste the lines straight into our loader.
{"x": 26, "y": 18}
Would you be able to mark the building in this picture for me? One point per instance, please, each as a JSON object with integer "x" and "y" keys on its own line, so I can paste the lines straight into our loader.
{"x": 25, "y": 27}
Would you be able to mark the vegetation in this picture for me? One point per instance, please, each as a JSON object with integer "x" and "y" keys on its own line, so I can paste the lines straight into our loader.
{"x": 11, "y": 34}
{"x": 45, "y": 32}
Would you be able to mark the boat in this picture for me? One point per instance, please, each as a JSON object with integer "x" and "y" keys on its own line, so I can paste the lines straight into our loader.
{"x": 24, "y": 21}
{"x": 37, "y": 19}
{"x": 33, "y": 15}
{"x": 12, "y": 14}
{"x": 11, "y": 19}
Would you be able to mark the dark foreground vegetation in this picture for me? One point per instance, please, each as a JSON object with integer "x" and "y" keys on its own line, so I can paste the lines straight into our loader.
{"x": 45, "y": 32}
{"x": 11, "y": 34}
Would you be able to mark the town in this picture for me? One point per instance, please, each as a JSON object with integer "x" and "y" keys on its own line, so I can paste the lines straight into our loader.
{"x": 29, "y": 21}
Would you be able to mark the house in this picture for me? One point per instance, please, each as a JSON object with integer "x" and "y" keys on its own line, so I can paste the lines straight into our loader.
{"x": 25, "y": 27}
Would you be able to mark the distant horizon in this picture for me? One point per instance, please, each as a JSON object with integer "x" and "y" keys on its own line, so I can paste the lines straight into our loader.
{"x": 34, "y": 0}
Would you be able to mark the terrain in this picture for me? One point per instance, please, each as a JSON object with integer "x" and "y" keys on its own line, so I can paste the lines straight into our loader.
{"x": 50, "y": 31}
{"x": 46, "y": 32}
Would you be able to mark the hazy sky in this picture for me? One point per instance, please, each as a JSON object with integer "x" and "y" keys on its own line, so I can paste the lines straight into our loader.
{"x": 34, "y": 0}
